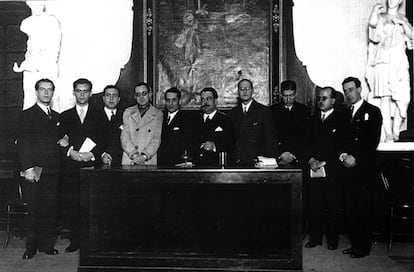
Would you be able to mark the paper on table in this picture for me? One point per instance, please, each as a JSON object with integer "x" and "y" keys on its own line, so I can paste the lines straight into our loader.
{"x": 87, "y": 145}
{"x": 320, "y": 173}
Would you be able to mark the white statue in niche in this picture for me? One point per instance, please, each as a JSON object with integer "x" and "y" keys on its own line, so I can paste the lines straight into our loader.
{"x": 387, "y": 74}
{"x": 43, "y": 47}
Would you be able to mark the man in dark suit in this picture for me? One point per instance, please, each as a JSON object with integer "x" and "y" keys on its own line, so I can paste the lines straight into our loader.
{"x": 213, "y": 132}
{"x": 291, "y": 122}
{"x": 326, "y": 141}
{"x": 78, "y": 124}
{"x": 254, "y": 129}
{"x": 112, "y": 116}
{"x": 38, "y": 148}
{"x": 176, "y": 131}
{"x": 359, "y": 161}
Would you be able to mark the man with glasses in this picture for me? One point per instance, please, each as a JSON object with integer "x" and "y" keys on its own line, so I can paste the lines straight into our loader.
{"x": 112, "y": 116}
{"x": 82, "y": 128}
{"x": 326, "y": 141}
{"x": 253, "y": 123}
{"x": 141, "y": 129}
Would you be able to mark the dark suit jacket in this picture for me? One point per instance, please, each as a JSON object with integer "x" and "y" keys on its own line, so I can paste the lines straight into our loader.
{"x": 363, "y": 136}
{"x": 77, "y": 132}
{"x": 37, "y": 141}
{"x": 255, "y": 133}
{"x": 292, "y": 129}
{"x": 218, "y": 130}
{"x": 111, "y": 141}
{"x": 176, "y": 138}
{"x": 327, "y": 140}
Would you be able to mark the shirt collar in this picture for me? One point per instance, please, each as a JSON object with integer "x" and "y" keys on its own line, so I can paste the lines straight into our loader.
{"x": 172, "y": 115}
{"x": 327, "y": 113}
{"x": 247, "y": 106}
{"x": 85, "y": 108}
{"x": 109, "y": 111}
{"x": 210, "y": 115}
{"x": 43, "y": 107}
{"x": 357, "y": 105}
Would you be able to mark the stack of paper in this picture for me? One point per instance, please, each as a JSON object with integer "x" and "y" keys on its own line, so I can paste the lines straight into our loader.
{"x": 266, "y": 162}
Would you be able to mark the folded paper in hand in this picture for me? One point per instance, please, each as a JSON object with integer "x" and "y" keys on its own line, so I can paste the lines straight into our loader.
{"x": 87, "y": 145}
{"x": 37, "y": 170}
{"x": 266, "y": 162}
{"x": 320, "y": 173}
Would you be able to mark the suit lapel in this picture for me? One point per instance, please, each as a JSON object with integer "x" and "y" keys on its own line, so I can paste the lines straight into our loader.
{"x": 148, "y": 116}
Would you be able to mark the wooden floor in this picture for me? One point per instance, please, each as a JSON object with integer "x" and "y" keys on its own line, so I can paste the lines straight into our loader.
{"x": 317, "y": 259}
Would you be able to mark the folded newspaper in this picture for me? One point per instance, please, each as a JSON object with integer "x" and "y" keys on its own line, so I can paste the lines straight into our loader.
{"x": 266, "y": 162}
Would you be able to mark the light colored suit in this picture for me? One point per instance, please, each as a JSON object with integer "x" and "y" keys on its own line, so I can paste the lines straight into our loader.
{"x": 142, "y": 133}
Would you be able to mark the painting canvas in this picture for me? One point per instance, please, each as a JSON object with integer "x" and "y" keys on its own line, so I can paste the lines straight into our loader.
{"x": 211, "y": 44}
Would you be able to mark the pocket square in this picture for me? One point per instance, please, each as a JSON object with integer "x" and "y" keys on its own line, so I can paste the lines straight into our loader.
{"x": 366, "y": 116}
{"x": 254, "y": 124}
{"x": 218, "y": 129}
{"x": 334, "y": 130}
{"x": 58, "y": 124}
{"x": 176, "y": 128}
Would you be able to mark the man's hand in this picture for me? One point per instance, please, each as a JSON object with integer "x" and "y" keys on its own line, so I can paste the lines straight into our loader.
{"x": 106, "y": 158}
{"x": 314, "y": 164}
{"x": 75, "y": 155}
{"x": 286, "y": 158}
{"x": 208, "y": 145}
{"x": 30, "y": 175}
{"x": 64, "y": 142}
{"x": 139, "y": 159}
{"x": 349, "y": 161}
{"x": 133, "y": 154}
{"x": 86, "y": 156}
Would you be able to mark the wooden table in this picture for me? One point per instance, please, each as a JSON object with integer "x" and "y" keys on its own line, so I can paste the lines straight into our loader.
{"x": 153, "y": 219}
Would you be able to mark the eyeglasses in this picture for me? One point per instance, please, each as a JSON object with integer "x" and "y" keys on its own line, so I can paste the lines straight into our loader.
{"x": 245, "y": 89}
{"x": 144, "y": 93}
{"x": 82, "y": 91}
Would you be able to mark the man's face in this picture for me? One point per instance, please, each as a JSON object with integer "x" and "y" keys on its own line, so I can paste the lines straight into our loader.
{"x": 245, "y": 91}
{"x": 111, "y": 98}
{"x": 172, "y": 102}
{"x": 288, "y": 97}
{"x": 45, "y": 92}
{"x": 352, "y": 92}
{"x": 142, "y": 95}
{"x": 82, "y": 94}
{"x": 325, "y": 100}
{"x": 208, "y": 102}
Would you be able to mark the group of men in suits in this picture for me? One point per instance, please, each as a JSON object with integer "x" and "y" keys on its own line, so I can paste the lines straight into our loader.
{"x": 141, "y": 134}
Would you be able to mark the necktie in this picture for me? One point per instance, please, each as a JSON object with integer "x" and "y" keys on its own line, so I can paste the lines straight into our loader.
{"x": 352, "y": 112}
{"x": 323, "y": 117}
{"x": 81, "y": 115}
{"x": 207, "y": 119}
{"x": 244, "y": 110}
{"x": 112, "y": 116}
{"x": 168, "y": 119}
{"x": 49, "y": 114}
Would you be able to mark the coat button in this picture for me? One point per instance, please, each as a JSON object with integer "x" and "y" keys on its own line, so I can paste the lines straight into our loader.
{"x": 137, "y": 129}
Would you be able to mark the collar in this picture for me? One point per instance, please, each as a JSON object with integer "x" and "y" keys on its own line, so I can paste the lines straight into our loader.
{"x": 357, "y": 105}
{"x": 172, "y": 115}
{"x": 289, "y": 108}
{"x": 44, "y": 107}
{"x": 210, "y": 115}
{"x": 85, "y": 108}
{"x": 109, "y": 111}
{"x": 327, "y": 113}
{"x": 247, "y": 106}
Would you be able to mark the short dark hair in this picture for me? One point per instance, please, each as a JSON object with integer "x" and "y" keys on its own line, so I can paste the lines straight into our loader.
{"x": 333, "y": 92}
{"x": 112, "y": 87}
{"x": 245, "y": 79}
{"x": 82, "y": 81}
{"x": 288, "y": 85}
{"x": 210, "y": 89}
{"x": 142, "y": 83}
{"x": 173, "y": 90}
{"x": 352, "y": 79}
{"x": 44, "y": 80}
